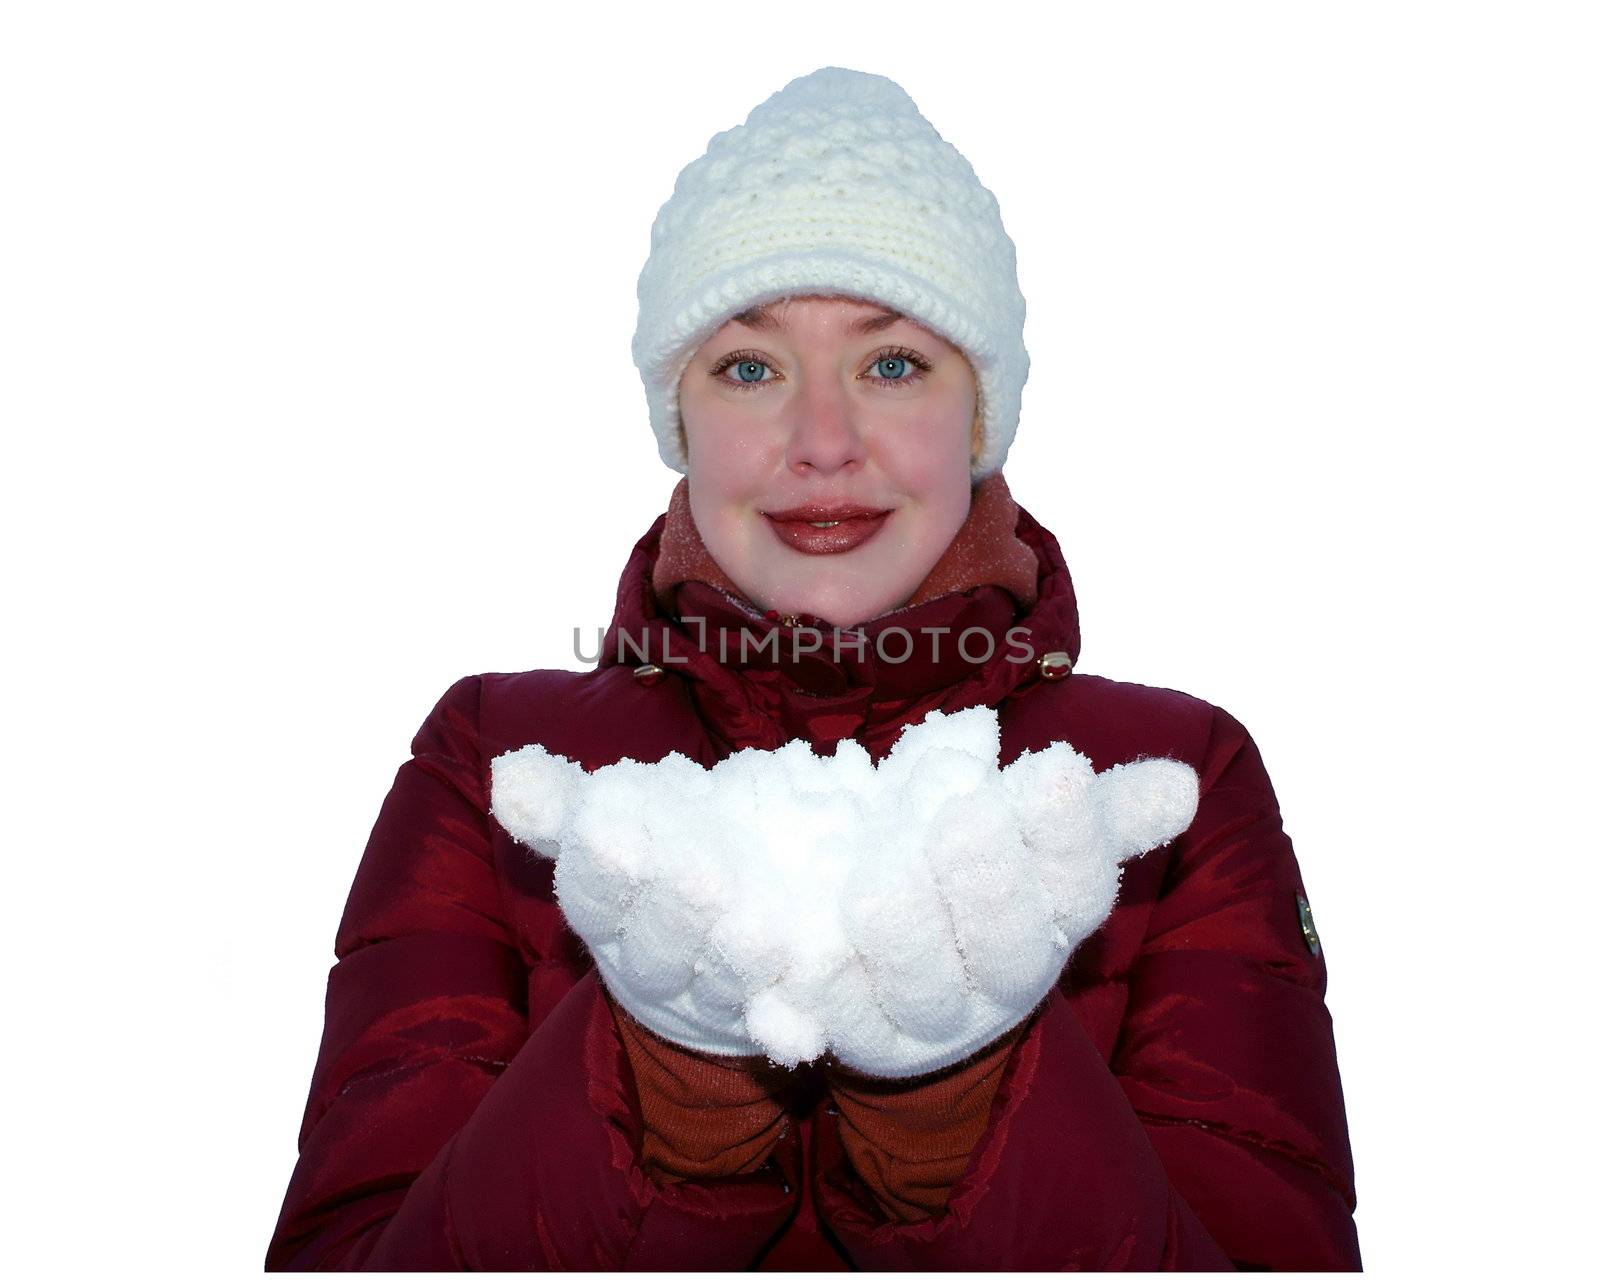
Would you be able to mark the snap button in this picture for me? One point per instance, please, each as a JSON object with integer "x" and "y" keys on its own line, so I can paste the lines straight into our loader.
{"x": 1308, "y": 926}
{"x": 648, "y": 673}
{"x": 1055, "y": 664}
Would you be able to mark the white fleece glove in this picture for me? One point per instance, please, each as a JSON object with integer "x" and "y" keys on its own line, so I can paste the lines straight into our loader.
{"x": 786, "y": 903}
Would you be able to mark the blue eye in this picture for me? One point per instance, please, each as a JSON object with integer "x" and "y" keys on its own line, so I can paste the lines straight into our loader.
{"x": 746, "y": 371}
{"x": 899, "y": 367}
{"x": 749, "y": 370}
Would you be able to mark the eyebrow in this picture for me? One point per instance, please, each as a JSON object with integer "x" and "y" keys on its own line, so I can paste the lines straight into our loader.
{"x": 761, "y": 319}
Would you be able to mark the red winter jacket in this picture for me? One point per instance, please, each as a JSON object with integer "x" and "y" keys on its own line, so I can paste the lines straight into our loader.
{"x": 1173, "y": 1104}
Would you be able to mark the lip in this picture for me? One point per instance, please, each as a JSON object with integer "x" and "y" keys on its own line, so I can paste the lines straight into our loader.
{"x": 826, "y": 511}
{"x": 855, "y": 524}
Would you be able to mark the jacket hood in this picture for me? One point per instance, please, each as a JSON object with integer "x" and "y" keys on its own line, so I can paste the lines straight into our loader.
{"x": 762, "y": 680}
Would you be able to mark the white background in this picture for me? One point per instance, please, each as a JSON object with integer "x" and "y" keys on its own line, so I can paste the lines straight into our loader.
{"x": 317, "y": 395}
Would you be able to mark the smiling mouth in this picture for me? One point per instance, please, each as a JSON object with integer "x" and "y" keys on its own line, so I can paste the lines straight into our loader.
{"x": 821, "y": 532}
{"x": 824, "y": 513}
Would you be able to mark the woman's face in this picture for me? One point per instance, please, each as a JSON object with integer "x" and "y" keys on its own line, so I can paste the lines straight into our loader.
{"x": 845, "y": 407}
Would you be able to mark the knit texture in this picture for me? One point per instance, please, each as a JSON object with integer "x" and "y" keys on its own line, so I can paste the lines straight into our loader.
{"x": 900, "y": 915}
{"x": 703, "y": 1116}
{"x": 835, "y": 185}
{"x": 909, "y": 1141}
{"x": 984, "y": 551}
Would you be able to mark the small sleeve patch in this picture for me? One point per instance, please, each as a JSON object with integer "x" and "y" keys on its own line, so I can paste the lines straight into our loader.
{"x": 1308, "y": 926}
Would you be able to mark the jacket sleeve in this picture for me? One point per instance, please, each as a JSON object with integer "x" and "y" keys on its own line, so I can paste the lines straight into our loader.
{"x": 440, "y": 1134}
{"x": 1215, "y": 1138}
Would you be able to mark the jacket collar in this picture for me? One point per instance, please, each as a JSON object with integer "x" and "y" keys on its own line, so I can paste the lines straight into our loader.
{"x": 801, "y": 677}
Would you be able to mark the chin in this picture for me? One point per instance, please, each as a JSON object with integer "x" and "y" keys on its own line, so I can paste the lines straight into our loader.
{"x": 844, "y": 606}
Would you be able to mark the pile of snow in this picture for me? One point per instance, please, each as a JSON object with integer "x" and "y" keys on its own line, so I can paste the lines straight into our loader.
{"x": 786, "y": 903}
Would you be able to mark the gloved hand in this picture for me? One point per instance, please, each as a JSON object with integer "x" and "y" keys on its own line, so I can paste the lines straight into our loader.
{"x": 787, "y": 903}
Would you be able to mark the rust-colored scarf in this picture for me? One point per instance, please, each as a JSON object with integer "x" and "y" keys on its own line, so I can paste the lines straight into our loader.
{"x": 985, "y": 550}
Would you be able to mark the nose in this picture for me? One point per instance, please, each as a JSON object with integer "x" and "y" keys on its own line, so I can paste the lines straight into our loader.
{"x": 825, "y": 433}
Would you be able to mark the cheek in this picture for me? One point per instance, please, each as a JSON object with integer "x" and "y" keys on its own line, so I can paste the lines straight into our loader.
{"x": 723, "y": 458}
{"x": 728, "y": 477}
{"x": 929, "y": 452}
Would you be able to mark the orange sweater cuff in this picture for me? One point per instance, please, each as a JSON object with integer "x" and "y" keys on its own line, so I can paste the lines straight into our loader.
{"x": 717, "y": 1117}
{"x": 704, "y": 1116}
{"x": 910, "y": 1141}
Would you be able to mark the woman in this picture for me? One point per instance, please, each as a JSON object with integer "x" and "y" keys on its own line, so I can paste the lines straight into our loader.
{"x": 561, "y": 1033}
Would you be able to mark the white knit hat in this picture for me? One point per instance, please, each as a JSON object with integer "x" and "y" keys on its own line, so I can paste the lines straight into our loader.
{"x": 836, "y": 184}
